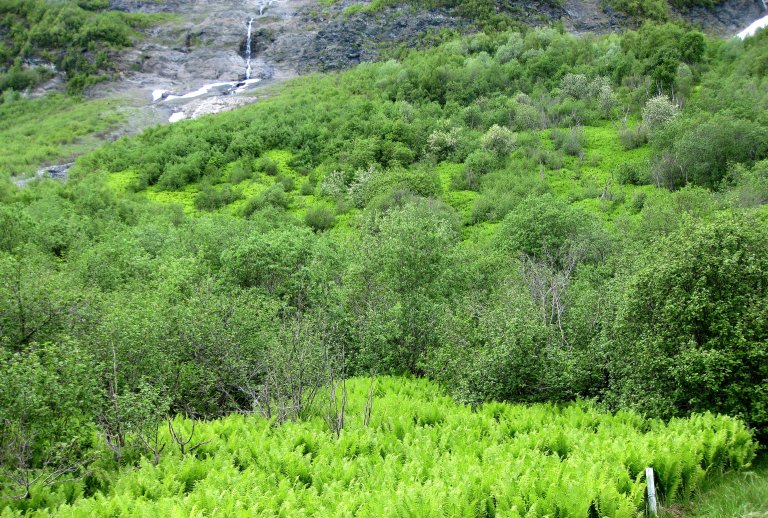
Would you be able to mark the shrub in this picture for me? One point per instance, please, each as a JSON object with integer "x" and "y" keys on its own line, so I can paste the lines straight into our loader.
{"x": 267, "y": 166}
{"x": 638, "y": 201}
{"x": 242, "y": 170}
{"x": 633, "y": 137}
{"x": 308, "y": 187}
{"x": 570, "y": 141}
{"x": 477, "y": 164}
{"x": 700, "y": 150}
{"x": 689, "y": 334}
{"x": 658, "y": 111}
{"x": 499, "y": 141}
{"x": 373, "y": 182}
{"x": 274, "y": 196}
{"x": 320, "y": 218}
{"x": 210, "y": 198}
{"x": 528, "y": 117}
{"x": 748, "y": 186}
{"x": 287, "y": 182}
{"x": 271, "y": 260}
{"x": 575, "y": 85}
{"x": 442, "y": 143}
{"x": 334, "y": 184}
{"x": 510, "y": 50}
{"x": 632, "y": 173}
{"x": 540, "y": 225}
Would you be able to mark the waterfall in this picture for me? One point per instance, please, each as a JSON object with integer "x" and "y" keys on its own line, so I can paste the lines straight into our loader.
{"x": 762, "y": 6}
{"x": 248, "y": 51}
{"x": 753, "y": 28}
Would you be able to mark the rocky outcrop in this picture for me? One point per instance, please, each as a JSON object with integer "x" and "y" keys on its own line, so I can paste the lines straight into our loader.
{"x": 332, "y": 40}
{"x": 54, "y": 172}
{"x": 206, "y": 39}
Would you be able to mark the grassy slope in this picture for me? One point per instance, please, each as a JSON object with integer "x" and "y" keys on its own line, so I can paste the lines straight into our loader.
{"x": 733, "y": 495}
{"x": 52, "y": 129}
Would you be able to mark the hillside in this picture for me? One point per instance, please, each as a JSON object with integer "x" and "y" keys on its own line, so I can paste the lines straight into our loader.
{"x": 546, "y": 248}
{"x": 131, "y": 52}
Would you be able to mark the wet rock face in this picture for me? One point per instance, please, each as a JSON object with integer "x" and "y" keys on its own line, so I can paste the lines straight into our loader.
{"x": 261, "y": 39}
{"x": 54, "y": 172}
{"x": 335, "y": 41}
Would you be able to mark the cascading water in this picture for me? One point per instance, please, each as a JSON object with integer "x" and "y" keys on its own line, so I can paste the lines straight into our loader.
{"x": 248, "y": 51}
{"x": 757, "y": 24}
{"x": 213, "y": 93}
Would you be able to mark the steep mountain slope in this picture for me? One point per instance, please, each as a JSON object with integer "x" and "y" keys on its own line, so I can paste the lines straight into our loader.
{"x": 188, "y": 62}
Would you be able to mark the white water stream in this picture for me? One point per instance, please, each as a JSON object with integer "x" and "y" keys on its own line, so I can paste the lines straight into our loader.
{"x": 753, "y": 27}
{"x": 248, "y": 51}
{"x": 756, "y": 25}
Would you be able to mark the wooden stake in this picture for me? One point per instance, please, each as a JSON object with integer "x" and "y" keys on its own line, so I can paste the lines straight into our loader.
{"x": 651, "y": 491}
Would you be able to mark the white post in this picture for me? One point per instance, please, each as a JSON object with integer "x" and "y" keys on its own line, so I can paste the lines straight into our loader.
{"x": 651, "y": 491}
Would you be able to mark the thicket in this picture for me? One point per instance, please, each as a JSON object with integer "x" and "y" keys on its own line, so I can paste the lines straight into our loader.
{"x": 73, "y": 36}
{"x": 469, "y": 214}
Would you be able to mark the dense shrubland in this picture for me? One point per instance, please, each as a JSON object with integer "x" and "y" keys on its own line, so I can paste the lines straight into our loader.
{"x": 528, "y": 217}
{"x": 74, "y": 36}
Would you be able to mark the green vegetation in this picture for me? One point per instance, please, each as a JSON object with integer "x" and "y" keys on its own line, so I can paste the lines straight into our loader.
{"x": 732, "y": 495}
{"x": 417, "y": 453}
{"x": 73, "y": 36}
{"x": 51, "y": 129}
{"x": 573, "y": 223}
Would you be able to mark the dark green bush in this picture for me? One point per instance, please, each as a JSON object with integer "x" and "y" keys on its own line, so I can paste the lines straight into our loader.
{"x": 287, "y": 182}
{"x": 274, "y": 196}
{"x": 320, "y": 218}
{"x": 477, "y": 164}
{"x": 267, "y": 166}
{"x": 632, "y": 173}
{"x": 633, "y": 137}
{"x": 570, "y": 141}
{"x": 241, "y": 171}
{"x": 212, "y": 198}
{"x": 689, "y": 332}
{"x": 307, "y": 187}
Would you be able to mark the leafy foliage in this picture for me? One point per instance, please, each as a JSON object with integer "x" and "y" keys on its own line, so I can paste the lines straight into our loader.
{"x": 422, "y": 454}
{"x": 72, "y": 36}
{"x": 476, "y": 213}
